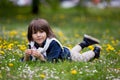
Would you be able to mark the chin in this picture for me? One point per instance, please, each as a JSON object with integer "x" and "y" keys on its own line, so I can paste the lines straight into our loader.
{"x": 40, "y": 42}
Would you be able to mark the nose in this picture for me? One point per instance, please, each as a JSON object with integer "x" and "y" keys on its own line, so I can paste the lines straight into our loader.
{"x": 38, "y": 34}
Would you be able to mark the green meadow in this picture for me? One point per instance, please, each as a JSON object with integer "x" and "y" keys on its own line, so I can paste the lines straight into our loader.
{"x": 69, "y": 25}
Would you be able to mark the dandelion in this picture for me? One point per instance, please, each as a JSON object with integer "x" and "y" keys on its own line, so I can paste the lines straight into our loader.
{"x": 13, "y": 33}
{"x": 91, "y": 47}
{"x": 10, "y": 46}
{"x": 2, "y": 52}
{"x": 22, "y": 47}
{"x": 24, "y": 34}
{"x": 109, "y": 47}
{"x": 73, "y": 72}
{"x": 113, "y": 42}
{"x": 10, "y": 64}
{"x": 60, "y": 34}
{"x": 69, "y": 46}
{"x": 0, "y": 46}
{"x": 42, "y": 76}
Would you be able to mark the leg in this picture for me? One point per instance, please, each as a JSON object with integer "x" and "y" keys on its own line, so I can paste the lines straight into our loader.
{"x": 76, "y": 49}
{"x": 86, "y": 56}
{"x": 88, "y": 40}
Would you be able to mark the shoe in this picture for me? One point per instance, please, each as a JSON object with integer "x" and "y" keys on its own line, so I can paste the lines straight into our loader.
{"x": 88, "y": 40}
{"x": 97, "y": 50}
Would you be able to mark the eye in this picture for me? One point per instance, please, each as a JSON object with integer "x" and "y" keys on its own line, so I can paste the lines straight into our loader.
{"x": 42, "y": 31}
{"x": 34, "y": 32}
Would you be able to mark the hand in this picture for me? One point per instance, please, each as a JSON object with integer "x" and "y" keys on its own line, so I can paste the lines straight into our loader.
{"x": 35, "y": 53}
{"x": 38, "y": 55}
{"x": 27, "y": 54}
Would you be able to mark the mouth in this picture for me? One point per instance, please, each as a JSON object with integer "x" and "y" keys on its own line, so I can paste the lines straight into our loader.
{"x": 39, "y": 39}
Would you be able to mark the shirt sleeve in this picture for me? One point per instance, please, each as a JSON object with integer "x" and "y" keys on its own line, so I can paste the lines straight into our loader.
{"x": 54, "y": 51}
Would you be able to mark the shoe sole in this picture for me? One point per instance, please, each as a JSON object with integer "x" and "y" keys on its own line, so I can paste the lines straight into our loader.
{"x": 92, "y": 38}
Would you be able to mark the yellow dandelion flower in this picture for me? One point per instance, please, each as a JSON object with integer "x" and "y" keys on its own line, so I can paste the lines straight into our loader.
{"x": 5, "y": 42}
{"x": 22, "y": 47}
{"x": 10, "y": 46}
{"x": 24, "y": 34}
{"x": 42, "y": 75}
{"x": 73, "y": 72}
{"x": 113, "y": 42}
{"x": 117, "y": 41}
{"x": 13, "y": 33}
{"x": 109, "y": 48}
{"x": 91, "y": 47}
{"x": 2, "y": 52}
{"x": 10, "y": 64}
{"x": 60, "y": 34}
{"x": 4, "y": 47}
{"x": 69, "y": 46}
{"x": 0, "y": 46}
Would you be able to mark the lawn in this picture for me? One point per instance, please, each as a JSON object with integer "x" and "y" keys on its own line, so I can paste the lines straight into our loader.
{"x": 69, "y": 25}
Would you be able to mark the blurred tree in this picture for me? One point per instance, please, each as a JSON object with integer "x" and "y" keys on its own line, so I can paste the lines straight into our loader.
{"x": 35, "y": 6}
{"x": 37, "y": 3}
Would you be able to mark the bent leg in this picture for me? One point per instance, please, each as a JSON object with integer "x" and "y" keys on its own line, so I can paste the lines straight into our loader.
{"x": 88, "y": 40}
{"x": 77, "y": 49}
{"x": 86, "y": 56}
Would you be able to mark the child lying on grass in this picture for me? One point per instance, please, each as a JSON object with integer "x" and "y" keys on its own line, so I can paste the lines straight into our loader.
{"x": 44, "y": 46}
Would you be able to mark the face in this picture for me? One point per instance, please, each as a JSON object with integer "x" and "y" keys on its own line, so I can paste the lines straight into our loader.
{"x": 39, "y": 37}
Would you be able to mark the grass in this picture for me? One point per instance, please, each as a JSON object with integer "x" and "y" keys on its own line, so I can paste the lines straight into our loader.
{"x": 69, "y": 25}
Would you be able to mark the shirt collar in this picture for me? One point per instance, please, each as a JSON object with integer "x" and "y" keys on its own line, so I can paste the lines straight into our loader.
{"x": 37, "y": 45}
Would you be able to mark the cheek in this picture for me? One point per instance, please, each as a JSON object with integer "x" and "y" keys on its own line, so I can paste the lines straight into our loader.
{"x": 33, "y": 37}
{"x": 45, "y": 35}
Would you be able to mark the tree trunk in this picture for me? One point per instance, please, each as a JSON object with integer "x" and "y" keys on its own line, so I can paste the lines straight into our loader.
{"x": 35, "y": 6}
